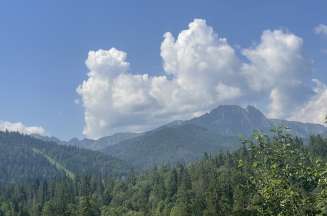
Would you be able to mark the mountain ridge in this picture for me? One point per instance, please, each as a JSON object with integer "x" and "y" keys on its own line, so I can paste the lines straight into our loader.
{"x": 217, "y": 130}
{"x": 183, "y": 141}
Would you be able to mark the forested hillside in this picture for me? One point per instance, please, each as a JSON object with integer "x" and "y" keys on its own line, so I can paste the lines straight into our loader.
{"x": 24, "y": 158}
{"x": 268, "y": 176}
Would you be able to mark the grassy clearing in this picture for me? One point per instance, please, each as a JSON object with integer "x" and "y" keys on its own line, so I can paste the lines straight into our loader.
{"x": 55, "y": 163}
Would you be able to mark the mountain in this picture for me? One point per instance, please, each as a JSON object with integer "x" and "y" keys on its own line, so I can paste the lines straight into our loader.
{"x": 183, "y": 141}
{"x": 24, "y": 158}
{"x": 300, "y": 129}
{"x": 91, "y": 144}
{"x": 170, "y": 145}
{"x": 99, "y": 144}
{"x": 232, "y": 120}
{"x": 218, "y": 130}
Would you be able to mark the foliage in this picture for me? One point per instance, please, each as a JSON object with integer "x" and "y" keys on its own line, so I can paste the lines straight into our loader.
{"x": 268, "y": 175}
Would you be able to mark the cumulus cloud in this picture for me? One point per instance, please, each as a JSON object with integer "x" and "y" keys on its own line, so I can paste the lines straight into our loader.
{"x": 201, "y": 71}
{"x": 202, "y": 65}
{"x": 321, "y": 29}
{"x": 277, "y": 68}
{"x": 21, "y": 128}
{"x": 316, "y": 108}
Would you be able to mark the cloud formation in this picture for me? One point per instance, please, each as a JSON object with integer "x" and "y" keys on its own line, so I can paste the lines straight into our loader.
{"x": 278, "y": 70}
{"x": 321, "y": 29}
{"x": 315, "y": 109}
{"x": 202, "y": 71}
{"x": 21, "y": 128}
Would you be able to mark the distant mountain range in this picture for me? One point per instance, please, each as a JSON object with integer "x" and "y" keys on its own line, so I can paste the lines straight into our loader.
{"x": 183, "y": 141}
{"x": 25, "y": 157}
{"x": 91, "y": 144}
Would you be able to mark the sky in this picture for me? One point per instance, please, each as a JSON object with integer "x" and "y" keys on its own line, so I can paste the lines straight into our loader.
{"x": 93, "y": 68}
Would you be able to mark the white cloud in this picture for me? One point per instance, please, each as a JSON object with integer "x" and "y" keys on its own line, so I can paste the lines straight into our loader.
{"x": 21, "y": 128}
{"x": 202, "y": 68}
{"x": 278, "y": 70}
{"x": 321, "y": 29}
{"x": 202, "y": 71}
{"x": 200, "y": 74}
{"x": 315, "y": 109}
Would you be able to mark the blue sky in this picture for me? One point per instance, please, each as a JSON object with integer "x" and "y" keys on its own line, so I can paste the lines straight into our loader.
{"x": 44, "y": 45}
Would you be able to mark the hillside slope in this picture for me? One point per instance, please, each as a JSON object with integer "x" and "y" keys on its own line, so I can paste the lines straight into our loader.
{"x": 23, "y": 157}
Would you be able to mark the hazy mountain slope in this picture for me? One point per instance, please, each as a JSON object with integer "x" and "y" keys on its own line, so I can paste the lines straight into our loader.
{"x": 217, "y": 130}
{"x": 300, "y": 129}
{"x": 113, "y": 140}
{"x": 20, "y": 159}
{"x": 101, "y": 143}
{"x": 170, "y": 145}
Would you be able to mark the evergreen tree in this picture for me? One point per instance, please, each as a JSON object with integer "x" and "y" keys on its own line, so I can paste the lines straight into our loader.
{"x": 87, "y": 207}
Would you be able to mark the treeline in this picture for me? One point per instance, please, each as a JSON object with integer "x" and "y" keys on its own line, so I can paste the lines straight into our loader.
{"x": 276, "y": 175}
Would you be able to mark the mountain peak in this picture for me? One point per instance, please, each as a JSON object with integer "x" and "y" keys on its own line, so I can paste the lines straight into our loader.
{"x": 236, "y": 108}
{"x": 222, "y": 108}
{"x": 257, "y": 116}
{"x": 251, "y": 108}
{"x": 233, "y": 120}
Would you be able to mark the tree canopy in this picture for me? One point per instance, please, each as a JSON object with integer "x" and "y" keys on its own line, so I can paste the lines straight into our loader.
{"x": 268, "y": 175}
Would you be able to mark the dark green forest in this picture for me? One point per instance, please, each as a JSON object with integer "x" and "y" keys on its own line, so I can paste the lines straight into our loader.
{"x": 268, "y": 175}
{"x": 24, "y": 158}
